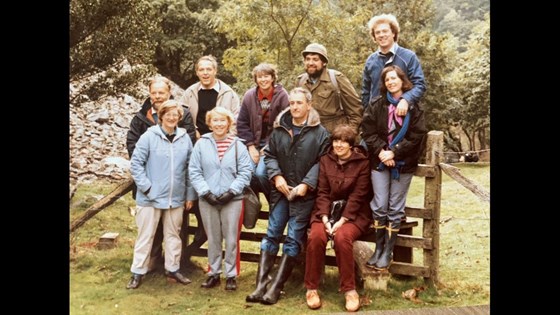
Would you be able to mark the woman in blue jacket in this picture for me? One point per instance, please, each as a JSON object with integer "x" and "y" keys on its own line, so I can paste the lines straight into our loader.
{"x": 159, "y": 169}
{"x": 220, "y": 168}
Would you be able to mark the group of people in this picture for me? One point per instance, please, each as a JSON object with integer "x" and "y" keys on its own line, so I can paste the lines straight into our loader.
{"x": 306, "y": 151}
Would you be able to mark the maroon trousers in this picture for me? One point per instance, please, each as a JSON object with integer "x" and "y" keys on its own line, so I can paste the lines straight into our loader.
{"x": 343, "y": 248}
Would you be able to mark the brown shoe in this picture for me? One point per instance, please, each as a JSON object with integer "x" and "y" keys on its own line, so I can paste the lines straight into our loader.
{"x": 177, "y": 277}
{"x": 313, "y": 300}
{"x": 352, "y": 300}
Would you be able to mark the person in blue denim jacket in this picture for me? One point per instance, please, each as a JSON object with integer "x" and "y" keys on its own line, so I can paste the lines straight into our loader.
{"x": 384, "y": 30}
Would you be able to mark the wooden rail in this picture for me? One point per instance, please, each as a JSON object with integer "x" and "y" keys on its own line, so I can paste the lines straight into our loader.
{"x": 429, "y": 214}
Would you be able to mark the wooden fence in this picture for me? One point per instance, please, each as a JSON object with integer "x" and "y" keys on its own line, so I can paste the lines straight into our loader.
{"x": 403, "y": 263}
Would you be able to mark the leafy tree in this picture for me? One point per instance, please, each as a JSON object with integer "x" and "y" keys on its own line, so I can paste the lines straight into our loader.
{"x": 186, "y": 36}
{"x": 282, "y": 29}
{"x": 277, "y": 32}
{"x": 106, "y": 36}
{"x": 471, "y": 82}
{"x": 459, "y": 18}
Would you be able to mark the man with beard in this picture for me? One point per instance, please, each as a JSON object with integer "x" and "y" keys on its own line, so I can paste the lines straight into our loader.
{"x": 337, "y": 102}
{"x": 160, "y": 91}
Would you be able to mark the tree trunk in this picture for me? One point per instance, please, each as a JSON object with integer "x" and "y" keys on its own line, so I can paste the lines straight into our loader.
{"x": 482, "y": 138}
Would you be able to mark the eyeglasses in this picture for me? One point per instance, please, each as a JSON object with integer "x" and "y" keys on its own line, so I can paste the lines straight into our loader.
{"x": 174, "y": 115}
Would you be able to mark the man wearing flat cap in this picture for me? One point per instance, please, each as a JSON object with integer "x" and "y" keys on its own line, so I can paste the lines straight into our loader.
{"x": 334, "y": 97}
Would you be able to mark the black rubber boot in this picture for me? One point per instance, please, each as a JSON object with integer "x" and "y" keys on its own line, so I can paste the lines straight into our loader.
{"x": 263, "y": 277}
{"x": 380, "y": 232}
{"x": 284, "y": 271}
{"x": 386, "y": 258}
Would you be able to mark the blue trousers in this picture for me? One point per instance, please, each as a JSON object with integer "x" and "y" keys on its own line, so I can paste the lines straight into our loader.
{"x": 278, "y": 218}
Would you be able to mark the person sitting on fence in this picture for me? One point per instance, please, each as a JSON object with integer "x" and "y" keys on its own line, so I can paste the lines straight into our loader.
{"x": 292, "y": 163}
{"x": 159, "y": 169}
{"x": 220, "y": 168}
{"x": 344, "y": 177}
{"x": 259, "y": 108}
{"x": 394, "y": 144}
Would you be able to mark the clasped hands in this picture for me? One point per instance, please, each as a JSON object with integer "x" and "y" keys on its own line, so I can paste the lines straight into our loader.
{"x": 289, "y": 191}
{"x": 332, "y": 228}
{"x": 387, "y": 157}
{"x": 219, "y": 200}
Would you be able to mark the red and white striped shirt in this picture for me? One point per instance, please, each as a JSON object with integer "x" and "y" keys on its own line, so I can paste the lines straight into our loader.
{"x": 223, "y": 145}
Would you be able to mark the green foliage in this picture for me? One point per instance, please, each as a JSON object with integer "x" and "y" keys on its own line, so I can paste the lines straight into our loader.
{"x": 106, "y": 35}
{"x": 459, "y": 17}
{"x": 117, "y": 43}
{"x": 277, "y": 32}
{"x": 437, "y": 55}
{"x": 186, "y": 36}
{"x": 470, "y": 106}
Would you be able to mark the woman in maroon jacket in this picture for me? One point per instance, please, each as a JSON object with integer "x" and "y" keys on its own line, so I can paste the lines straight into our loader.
{"x": 344, "y": 174}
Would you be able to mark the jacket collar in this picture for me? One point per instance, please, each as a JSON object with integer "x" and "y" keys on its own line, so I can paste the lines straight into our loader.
{"x": 313, "y": 118}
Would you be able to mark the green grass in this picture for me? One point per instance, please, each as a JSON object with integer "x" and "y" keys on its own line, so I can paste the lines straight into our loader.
{"x": 98, "y": 277}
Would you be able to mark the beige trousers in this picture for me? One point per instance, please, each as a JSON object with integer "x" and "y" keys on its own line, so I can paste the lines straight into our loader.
{"x": 147, "y": 219}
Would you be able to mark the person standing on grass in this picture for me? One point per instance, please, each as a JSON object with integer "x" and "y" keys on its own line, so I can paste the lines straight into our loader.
{"x": 159, "y": 167}
{"x": 394, "y": 144}
{"x": 201, "y": 97}
{"x": 344, "y": 174}
{"x": 259, "y": 108}
{"x": 160, "y": 91}
{"x": 292, "y": 155}
{"x": 220, "y": 168}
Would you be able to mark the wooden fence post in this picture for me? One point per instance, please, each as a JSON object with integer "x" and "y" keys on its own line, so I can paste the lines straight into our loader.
{"x": 432, "y": 200}
{"x": 106, "y": 201}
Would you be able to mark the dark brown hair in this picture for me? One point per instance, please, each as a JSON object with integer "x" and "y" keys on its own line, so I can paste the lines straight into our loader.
{"x": 345, "y": 133}
{"x": 406, "y": 85}
{"x": 265, "y": 68}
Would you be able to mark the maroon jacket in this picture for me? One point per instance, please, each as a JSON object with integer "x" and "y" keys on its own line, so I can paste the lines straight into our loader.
{"x": 249, "y": 121}
{"x": 351, "y": 182}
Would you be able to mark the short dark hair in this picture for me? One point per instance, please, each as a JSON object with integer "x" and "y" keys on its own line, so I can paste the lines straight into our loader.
{"x": 265, "y": 68}
{"x": 406, "y": 85}
{"x": 345, "y": 133}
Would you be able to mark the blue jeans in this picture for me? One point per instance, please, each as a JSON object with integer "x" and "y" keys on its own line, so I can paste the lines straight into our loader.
{"x": 297, "y": 230}
{"x": 259, "y": 180}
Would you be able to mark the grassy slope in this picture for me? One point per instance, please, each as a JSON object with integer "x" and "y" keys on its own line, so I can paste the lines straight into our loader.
{"x": 98, "y": 278}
